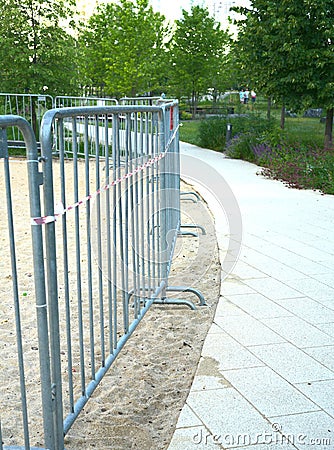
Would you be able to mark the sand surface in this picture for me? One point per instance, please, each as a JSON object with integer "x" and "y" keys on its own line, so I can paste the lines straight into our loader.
{"x": 137, "y": 404}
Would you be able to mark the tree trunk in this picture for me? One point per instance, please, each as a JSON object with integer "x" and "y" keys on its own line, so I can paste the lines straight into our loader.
{"x": 283, "y": 116}
{"x": 269, "y": 108}
{"x": 194, "y": 105}
{"x": 329, "y": 129}
{"x": 34, "y": 116}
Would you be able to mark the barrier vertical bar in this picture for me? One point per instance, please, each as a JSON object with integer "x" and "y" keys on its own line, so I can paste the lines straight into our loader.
{"x": 51, "y": 268}
{"x": 163, "y": 200}
{"x": 89, "y": 253}
{"x": 78, "y": 256}
{"x": 61, "y": 147}
{"x": 5, "y": 156}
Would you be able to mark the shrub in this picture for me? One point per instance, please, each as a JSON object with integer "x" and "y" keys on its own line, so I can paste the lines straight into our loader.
{"x": 212, "y": 131}
{"x": 184, "y": 115}
{"x": 241, "y": 147}
{"x": 254, "y": 139}
{"x": 300, "y": 166}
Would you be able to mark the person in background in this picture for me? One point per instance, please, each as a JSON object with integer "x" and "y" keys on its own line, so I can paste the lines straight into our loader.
{"x": 246, "y": 96}
{"x": 253, "y": 96}
{"x": 242, "y": 95}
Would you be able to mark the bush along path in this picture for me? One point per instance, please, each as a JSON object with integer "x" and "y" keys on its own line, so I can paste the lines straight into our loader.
{"x": 302, "y": 164}
{"x": 297, "y": 165}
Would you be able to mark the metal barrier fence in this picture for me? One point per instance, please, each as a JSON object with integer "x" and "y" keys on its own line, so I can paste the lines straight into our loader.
{"x": 63, "y": 101}
{"x": 29, "y": 106}
{"x": 33, "y": 106}
{"x": 148, "y": 101}
{"x": 93, "y": 122}
{"x": 109, "y": 243}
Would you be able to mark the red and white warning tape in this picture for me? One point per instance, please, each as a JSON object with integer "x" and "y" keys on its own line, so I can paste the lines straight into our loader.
{"x": 60, "y": 210}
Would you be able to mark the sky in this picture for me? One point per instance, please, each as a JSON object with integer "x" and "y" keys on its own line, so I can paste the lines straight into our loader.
{"x": 171, "y": 9}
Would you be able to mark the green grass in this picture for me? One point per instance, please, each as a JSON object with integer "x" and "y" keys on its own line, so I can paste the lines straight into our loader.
{"x": 308, "y": 131}
{"x": 189, "y": 131}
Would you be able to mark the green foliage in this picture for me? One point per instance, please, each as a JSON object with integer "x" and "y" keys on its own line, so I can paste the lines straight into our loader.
{"x": 198, "y": 55}
{"x": 36, "y": 53}
{"x": 212, "y": 132}
{"x": 286, "y": 48}
{"x": 299, "y": 166}
{"x": 241, "y": 147}
{"x": 185, "y": 115}
{"x": 124, "y": 48}
{"x": 188, "y": 131}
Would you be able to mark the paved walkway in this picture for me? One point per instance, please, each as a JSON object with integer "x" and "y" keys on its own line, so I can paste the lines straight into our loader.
{"x": 266, "y": 375}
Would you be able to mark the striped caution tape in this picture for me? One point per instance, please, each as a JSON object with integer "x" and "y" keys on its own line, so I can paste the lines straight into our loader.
{"x": 60, "y": 210}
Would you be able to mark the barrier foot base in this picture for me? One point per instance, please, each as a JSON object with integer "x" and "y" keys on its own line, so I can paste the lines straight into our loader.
{"x": 164, "y": 300}
{"x": 199, "y": 227}
{"x": 182, "y": 301}
{"x": 174, "y": 301}
{"x": 191, "y": 199}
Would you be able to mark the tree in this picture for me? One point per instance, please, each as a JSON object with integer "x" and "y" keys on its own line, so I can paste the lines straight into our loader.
{"x": 287, "y": 48}
{"x": 124, "y": 48}
{"x": 36, "y": 53}
{"x": 198, "y": 55}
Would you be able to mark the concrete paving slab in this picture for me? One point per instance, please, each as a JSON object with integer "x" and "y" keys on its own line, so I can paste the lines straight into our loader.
{"x": 308, "y": 431}
{"x": 324, "y": 355}
{"x": 228, "y": 415}
{"x": 298, "y": 332}
{"x": 326, "y": 278}
{"x": 232, "y": 286}
{"x": 244, "y": 271}
{"x": 227, "y": 308}
{"x": 280, "y": 445}
{"x": 270, "y": 266}
{"x": 228, "y": 353}
{"x": 258, "y": 306}
{"x": 312, "y": 288}
{"x": 307, "y": 309}
{"x": 195, "y": 438}
{"x": 274, "y": 289}
{"x": 188, "y": 418}
{"x": 252, "y": 331}
{"x": 327, "y": 328}
{"x": 268, "y": 392}
{"x": 321, "y": 393}
{"x": 291, "y": 363}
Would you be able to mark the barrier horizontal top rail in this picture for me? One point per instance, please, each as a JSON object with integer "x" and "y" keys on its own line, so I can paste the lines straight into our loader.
{"x": 64, "y": 101}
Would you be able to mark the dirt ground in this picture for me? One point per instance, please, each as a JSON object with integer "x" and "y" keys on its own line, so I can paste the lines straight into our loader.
{"x": 137, "y": 404}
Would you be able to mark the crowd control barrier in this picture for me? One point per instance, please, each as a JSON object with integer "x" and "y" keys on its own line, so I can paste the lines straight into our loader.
{"x": 103, "y": 228}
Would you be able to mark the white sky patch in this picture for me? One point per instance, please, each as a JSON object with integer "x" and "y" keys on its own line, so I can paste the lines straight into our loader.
{"x": 172, "y": 9}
